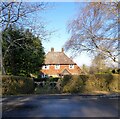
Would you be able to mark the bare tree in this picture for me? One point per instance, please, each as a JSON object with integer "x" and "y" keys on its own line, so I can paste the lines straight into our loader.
{"x": 18, "y": 12}
{"x": 95, "y": 30}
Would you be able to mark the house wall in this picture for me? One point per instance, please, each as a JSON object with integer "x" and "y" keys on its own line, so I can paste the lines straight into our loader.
{"x": 55, "y": 72}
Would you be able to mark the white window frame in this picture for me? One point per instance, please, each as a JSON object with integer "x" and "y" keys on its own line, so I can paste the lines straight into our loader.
{"x": 57, "y": 66}
{"x": 71, "y": 66}
{"x": 46, "y": 67}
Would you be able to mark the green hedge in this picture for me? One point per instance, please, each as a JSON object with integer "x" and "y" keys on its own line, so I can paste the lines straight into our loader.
{"x": 74, "y": 85}
{"x": 91, "y": 83}
{"x": 103, "y": 82}
{"x": 115, "y": 83}
{"x": 13, "y": 85}
{"x": 65, "y": 80}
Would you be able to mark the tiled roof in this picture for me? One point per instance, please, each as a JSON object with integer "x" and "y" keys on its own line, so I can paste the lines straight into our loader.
{"x": 57, "y": 58}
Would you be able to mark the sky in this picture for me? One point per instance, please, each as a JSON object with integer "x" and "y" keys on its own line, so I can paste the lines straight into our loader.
{"x": 57, "y": 19}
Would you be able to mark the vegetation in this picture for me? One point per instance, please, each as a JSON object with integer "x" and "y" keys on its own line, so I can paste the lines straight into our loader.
{"x": 98, "y": 64}
{"x": 24, "y": 16}
{"x": 95, "y": 30}
{"x": 15, "y": 85}
{"x": 82, "y": 84}
{"x": 65, "y": 80}
{"x": 21, "y": 15}
{"x": 22, "y": 52}
{"x": 49, "y": 85}
{"x": 91, "y": 83}
{"x": 74, "y": 85}
{"x": 84, "y": 69}
{"x": 46, "y": 89}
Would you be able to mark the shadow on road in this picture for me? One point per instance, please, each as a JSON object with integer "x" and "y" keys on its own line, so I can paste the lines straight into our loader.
{"x": 59, "y": 106}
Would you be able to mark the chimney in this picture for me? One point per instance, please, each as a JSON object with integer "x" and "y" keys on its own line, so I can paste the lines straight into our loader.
{"x": 62, "y": 49}
{"x": 52, "y": 49}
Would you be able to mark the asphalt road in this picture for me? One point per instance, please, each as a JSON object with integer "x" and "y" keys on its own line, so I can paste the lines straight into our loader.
{"x": 59, "y": 106}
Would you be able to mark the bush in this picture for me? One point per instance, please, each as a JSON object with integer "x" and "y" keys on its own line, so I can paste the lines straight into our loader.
{"x": 102, "y": 82}
{"x": 51, "y": 79}
{"x": 46, "y": 89}
{"x": 96, "y": 83}
{"x": 107, "y": 77}
{"x": 75, "y": 85}
{"x": 115, "y": 83}
{"x": 13, "y": 85}
{"x": 65, "y": 80}
{"x": 84, "y": 78}
{"x": 91, "y": 83}
{"x": 40, "y": 79}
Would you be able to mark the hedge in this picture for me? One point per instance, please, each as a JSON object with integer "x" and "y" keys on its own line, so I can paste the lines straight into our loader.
{"x": 74, "y": 85}
{"x": 91, "y": 83}
{"x": 14, "y": 85}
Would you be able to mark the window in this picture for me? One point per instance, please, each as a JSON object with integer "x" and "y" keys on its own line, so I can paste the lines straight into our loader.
{"x": 45, "y": 67}
{"x": 71, "y": 66}
{"x": 57, "y": 66}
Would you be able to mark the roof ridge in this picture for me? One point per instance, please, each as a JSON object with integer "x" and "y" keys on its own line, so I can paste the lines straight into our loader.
{"x": 58, "y": 58}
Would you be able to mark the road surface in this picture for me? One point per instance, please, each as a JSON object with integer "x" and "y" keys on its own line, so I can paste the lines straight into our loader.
{"x": 59, "y": 106}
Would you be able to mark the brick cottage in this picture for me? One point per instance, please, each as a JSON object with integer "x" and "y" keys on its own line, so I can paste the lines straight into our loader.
{"x": 58, "y": 64}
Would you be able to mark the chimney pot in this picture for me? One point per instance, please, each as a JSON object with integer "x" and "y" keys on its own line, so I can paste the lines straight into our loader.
{"x": 62, "y": 49}
{"x": 52, "y": 49}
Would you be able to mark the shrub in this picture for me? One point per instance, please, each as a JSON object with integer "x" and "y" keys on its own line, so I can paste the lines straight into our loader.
{"x": 107, "y": 77}
{"x": 102, "y": 82}
{"x": 46, "y": 89}
{"x": 13, "y": 85}
{"x": 53, "y": 79}
{"x": 75, "y": 85}
{"x": 65, "y": 80}
{"x": 84, "y": 77}
{"x": 40, "y": 79}
{"x": 115, "y": 83}
{"x": 90, "y": 83}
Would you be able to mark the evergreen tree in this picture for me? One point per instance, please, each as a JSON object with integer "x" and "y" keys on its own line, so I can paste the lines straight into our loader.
{"x": 22, "y": 52}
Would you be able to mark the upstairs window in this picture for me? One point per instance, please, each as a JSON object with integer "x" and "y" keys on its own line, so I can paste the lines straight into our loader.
{"x": 57, "y": 66}
{"x": 45, "y": 67}
{"x": 71, "y": 66}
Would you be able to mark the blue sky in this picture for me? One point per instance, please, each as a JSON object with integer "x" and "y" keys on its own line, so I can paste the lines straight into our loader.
{"x": 57, "y": 19}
